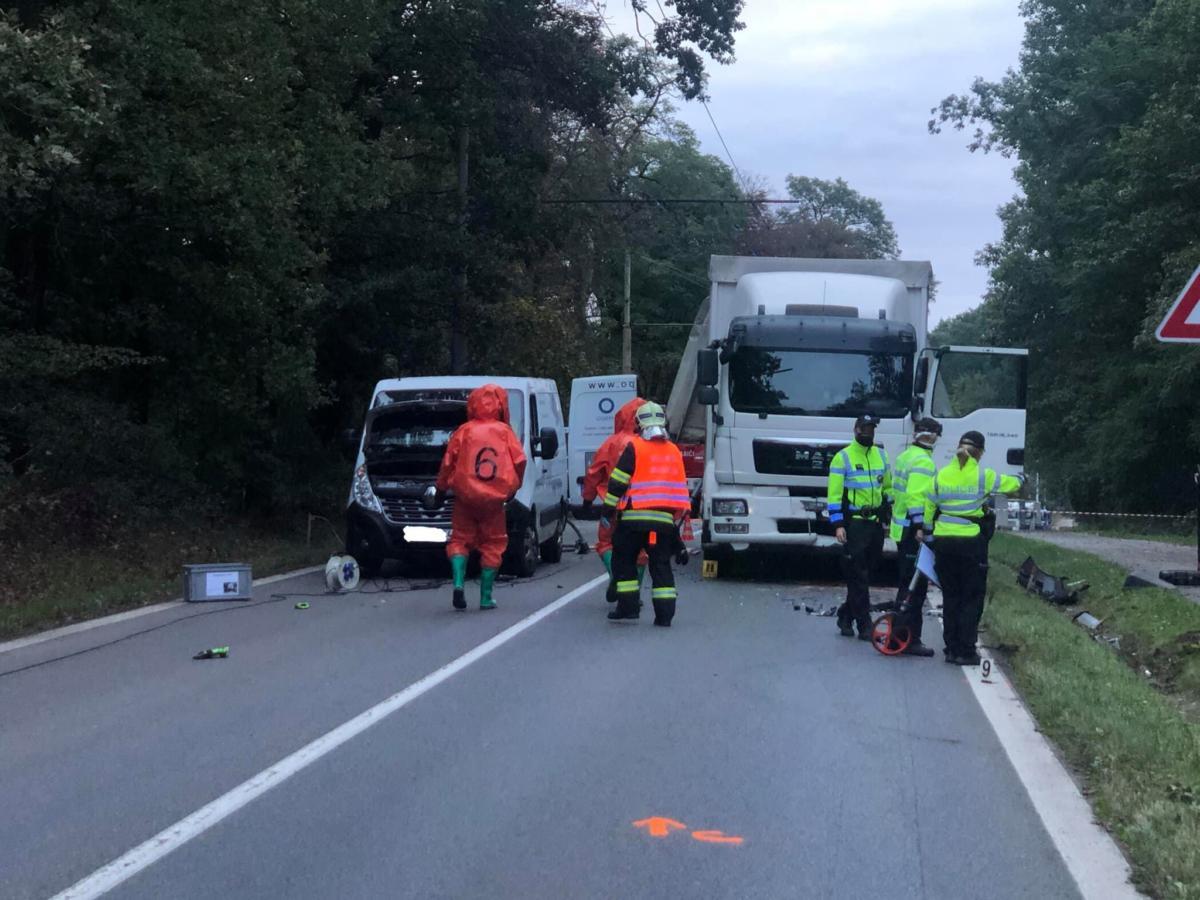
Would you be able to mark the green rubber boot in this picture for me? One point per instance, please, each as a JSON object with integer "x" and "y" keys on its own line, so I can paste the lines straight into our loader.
{"x": 458, "y": 566}
{"x": 487, "y": 578}
{"x": 606, "y": 558}
{"x": 641, "y": 576}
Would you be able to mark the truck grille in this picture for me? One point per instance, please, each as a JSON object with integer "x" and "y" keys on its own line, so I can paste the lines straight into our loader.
{"x": 409, "y": 511}
{"x": 777, "y": 458}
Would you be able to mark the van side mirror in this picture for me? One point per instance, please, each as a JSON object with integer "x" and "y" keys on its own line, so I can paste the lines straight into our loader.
{"x": 547, "y": 444}
{"x": 708, "y": 368}
{"x": 708, "y": 396}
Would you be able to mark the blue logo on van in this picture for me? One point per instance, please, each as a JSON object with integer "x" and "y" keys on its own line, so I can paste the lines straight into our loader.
{"x": 607, "y": 405}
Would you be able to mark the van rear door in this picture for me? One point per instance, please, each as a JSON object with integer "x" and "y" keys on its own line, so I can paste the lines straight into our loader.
{"x": 977, "y": 389}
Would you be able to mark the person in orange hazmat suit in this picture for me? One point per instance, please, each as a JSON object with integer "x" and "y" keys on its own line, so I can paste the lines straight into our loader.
{"x": 483, "y": 465}
{"x": 605, "y": 460}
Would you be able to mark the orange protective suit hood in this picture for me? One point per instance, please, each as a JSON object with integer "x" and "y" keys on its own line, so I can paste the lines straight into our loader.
{"x": 625, "y": 421}
{"x": 489, "y": 403}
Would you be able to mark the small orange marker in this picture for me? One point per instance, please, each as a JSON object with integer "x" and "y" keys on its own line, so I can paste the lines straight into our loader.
{"x": 716, "y": 837}
{"x": 658, "y": 826}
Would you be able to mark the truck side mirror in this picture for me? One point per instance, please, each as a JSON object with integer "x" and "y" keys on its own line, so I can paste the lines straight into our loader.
{"x": 547, "y": 444}
{"x": 708, "y": 368}
{"x": 708, "y": 396}
{"x": 922, "y": 377}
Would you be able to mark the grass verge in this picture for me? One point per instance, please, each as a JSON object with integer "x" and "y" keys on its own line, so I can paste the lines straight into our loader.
{"x": 54, "y": 585}
{"x": 1130, "y": 735}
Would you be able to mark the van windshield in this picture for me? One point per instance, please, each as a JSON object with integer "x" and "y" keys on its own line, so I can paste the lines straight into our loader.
{"x": 415, "y": 426}
{"x": 820, "y": 382}
{"x": 422, "y": 425}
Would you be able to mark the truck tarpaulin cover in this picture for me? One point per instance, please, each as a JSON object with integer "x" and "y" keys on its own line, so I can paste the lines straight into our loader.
{"x": 483, "y": 462}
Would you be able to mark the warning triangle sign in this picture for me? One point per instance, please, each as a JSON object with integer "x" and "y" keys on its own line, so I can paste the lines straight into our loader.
{"x": 1182, "y": 323}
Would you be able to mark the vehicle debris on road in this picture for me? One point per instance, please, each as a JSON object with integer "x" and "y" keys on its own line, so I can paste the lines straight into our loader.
{"x": 213, "y": 653}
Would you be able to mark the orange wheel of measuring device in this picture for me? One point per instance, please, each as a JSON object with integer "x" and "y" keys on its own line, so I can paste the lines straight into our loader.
{"x": 890, "y": 637}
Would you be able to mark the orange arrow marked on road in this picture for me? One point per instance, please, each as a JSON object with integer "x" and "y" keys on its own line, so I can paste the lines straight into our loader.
{"x": 716, "y": 837}
{"x": 658, "y": 826}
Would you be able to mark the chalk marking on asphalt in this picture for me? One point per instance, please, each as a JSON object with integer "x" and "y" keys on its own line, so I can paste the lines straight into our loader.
{"x": 113, "y": 619}
{"x": 175, "y": 836}
{"x": 1089, "y": 852}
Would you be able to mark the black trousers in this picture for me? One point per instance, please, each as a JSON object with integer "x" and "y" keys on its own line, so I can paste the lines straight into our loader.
{"x": 860, "y": 555}
{"x": 629, "y": 539}
{"x": 909, "y": 548}
{"x": 962, "y": 566}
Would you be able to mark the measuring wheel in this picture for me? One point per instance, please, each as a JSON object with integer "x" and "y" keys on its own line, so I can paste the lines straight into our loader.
{"x": 890, "y": 636}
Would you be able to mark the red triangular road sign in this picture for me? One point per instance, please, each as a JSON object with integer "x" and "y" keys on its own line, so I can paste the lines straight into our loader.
{"x": 1182, "y": 322}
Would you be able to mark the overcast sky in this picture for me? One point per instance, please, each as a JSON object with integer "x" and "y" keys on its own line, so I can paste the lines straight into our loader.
{"x": 831, "y": 88}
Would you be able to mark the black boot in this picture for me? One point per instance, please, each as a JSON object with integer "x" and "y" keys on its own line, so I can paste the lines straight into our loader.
{"x": 845, "y": 623}
{"x": 664, "y": 612}
{"x": 864, "y": 630}
{"x": 916, "y": 648}
{"x": 460, "y": 600}
{"x": 628, "y": 607}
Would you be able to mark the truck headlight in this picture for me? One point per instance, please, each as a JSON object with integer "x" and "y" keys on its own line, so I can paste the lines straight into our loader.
{"x": 730, "y": 508}
{"x": 363, "y": 495}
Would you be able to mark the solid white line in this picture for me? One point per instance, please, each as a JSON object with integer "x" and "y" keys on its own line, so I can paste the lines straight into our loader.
{"x": 113, "y": 619}
{"x": 1089, "y": 852}
{"x": 146, "y": 854}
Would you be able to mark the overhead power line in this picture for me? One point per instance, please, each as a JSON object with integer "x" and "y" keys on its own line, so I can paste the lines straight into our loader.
{"x": 721, "y": 137}
{"x": 666, "y": 202}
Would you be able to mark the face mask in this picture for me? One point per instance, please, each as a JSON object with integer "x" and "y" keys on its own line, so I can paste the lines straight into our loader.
{"x": 865, "y": 440}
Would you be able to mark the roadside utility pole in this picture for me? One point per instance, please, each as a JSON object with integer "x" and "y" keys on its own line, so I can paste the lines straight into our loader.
{"x": 626, "y": 331}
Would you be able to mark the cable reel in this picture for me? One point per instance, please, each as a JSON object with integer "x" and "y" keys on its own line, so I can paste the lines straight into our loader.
{"x": 342, "y": 574}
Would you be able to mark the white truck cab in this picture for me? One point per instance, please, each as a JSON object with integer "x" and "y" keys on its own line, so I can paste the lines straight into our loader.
{"x": 407, "y": 427}
{"x": 790, "y": 352}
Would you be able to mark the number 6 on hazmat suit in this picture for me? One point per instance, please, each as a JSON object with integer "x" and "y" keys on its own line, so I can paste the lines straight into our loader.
{"x": 483, "y": 465}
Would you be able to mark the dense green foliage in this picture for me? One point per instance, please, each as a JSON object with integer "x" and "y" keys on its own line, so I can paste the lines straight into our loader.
{"x": 1102, "y": 115}
{"x": 220, "y": 223}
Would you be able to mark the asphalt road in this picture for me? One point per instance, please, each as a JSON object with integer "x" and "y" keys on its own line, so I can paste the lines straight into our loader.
{"x": 844, "y": 774}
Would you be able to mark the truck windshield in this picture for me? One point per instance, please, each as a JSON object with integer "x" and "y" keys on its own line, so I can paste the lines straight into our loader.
{"x": 820, "y": 382}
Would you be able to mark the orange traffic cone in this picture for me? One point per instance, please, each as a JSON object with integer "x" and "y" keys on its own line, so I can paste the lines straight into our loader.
{"x": 686, "y": 533}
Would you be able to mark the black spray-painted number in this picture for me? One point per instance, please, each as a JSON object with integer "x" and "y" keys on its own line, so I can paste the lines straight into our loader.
{"x": 485, "y": 464}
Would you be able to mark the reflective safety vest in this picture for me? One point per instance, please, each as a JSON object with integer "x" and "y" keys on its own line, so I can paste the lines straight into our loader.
{"x": 911, "y": 482}
{"x": 658, "y": 481}
{"x": 957, "y": 496}
{"x": 860, "y": 477}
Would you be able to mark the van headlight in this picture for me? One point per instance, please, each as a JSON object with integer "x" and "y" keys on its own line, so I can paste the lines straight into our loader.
{"x": 363, "y": 495}
{"x": 730, "y": 508}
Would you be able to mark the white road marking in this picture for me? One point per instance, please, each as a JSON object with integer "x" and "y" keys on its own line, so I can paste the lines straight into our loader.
{"x": 1089, "y": 852}
{"x": 68, "y": 630}
{"x": 146, "y": 854}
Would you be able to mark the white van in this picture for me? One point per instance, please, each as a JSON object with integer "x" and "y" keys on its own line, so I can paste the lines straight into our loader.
{"x": 594, "y": 402}
{"x": 404, "y": 436}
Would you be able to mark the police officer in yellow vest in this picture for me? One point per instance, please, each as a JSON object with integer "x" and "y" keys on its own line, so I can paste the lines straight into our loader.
{"x": 648, "y": 496}
{"x": 962, "y": 526}
{"x": 911, "y": 481}
{"x": 860, "y": 482}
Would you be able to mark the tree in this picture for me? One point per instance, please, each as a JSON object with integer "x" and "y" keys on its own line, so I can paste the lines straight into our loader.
{"x": 835, "y": 201}
{"x": 1102, "y": 115}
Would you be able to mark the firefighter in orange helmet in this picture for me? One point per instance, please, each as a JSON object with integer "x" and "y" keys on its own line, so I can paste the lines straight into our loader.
{"x": 483, "y": 465}
{"x": 596, "y": 479}
{"x": 648, "y": 495}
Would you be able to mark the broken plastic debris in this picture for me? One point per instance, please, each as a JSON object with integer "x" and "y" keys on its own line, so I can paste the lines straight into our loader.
{"x": 1087, "y": 620}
